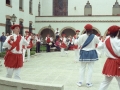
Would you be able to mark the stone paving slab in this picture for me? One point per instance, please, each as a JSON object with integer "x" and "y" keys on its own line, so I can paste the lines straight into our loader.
{"x": 51, "y": 68}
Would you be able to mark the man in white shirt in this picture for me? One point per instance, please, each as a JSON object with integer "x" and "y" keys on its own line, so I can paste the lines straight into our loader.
{"x": 38, "y": 42}
{"x": 57, "y": 33}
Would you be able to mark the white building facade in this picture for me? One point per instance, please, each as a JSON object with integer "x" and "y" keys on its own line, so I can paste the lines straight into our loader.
{"x": 101, "y": 14}
{"x": 66, "y": 15}
{"x": 24, "y": 10}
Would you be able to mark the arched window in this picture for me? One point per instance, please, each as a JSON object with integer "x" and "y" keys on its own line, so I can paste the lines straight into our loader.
{"x": 39, "y": 9}
{"x": 88, "y": 9}
{"x": 21, "y": 4}
{"x": 60, "y": 7}
{"x": 21, "y": 29}
{"x": 8, "y": 25}
{"x": 8, "y": 2}
{"x": 116, "y": 8}
{"x": 30, "y": 6}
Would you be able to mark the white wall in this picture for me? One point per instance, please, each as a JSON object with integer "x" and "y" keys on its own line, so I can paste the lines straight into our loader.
{"x": 101, "y": 23}
{"x": 47, "y": 8}
{"x": 5, "y": 10}
{"x": 102, "y": 27}
{"x": 99, "y": 7}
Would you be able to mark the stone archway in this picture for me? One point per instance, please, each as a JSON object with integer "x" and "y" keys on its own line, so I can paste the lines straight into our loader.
{"x": 45, "y": 30}
{"x": 95, "y": 31}
{"x": 68, "y": 31}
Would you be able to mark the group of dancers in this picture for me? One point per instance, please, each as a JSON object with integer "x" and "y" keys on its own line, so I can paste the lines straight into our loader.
{"x": 85, "y": 51}
{"x": 88, "y": 43}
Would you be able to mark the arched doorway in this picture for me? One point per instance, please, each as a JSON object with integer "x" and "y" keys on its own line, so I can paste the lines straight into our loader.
{"x": 45, "y": 32}
{"x": 68, "y": 31}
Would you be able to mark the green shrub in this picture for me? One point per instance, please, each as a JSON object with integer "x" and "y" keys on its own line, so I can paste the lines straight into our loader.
{"x": 2, "y": 54}
{"x": 32, "y": 52}
{"x": 43, "y": 48}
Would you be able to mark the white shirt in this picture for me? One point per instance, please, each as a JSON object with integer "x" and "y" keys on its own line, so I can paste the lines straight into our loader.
{"x": 115, "y": 43}
{"x": 37, "y": 39}
{"x": 81, "y": 40}
{"x": 57, "y": 32}
{"x": 22, "y": 42}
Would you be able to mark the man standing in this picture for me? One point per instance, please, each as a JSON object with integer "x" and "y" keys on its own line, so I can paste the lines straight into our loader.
{"x": 38, "y": 42}
{"x": 57, "y": 33}
{"x": 2, "y": 39}
{"x": 13, "y": 58}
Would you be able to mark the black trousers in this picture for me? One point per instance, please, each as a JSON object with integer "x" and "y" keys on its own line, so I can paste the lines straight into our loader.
{"x": 37, "y": 47}
{"x": 47, "y": 48}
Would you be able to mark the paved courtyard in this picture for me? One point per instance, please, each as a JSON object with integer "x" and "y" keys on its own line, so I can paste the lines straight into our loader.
{"x": 53, "y": 69}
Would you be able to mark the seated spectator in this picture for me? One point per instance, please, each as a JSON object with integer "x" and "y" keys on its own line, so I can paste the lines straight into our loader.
{"x": 57, "y": 44}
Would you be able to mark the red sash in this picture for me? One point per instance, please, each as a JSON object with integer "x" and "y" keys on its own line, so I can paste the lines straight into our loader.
{"x": 109, "y": 47}
{"x": 14, "y": 44}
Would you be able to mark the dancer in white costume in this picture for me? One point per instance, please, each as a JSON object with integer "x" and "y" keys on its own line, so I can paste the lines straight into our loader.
{"x": 88, "y": 54}
{"x": 13, "y": 58}
{"x": 63, "y": 45}
{"x": 28, "y": 47}
{"x": 76, "y": 47}
{"x": 111, "y": 47}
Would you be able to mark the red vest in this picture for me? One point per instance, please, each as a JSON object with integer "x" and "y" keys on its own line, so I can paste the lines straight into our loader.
{"x": 48, "y": 39}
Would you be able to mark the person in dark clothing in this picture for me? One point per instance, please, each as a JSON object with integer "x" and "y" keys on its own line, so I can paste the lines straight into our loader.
{"x": 48, "y": 43}
{"x": 38, "y": 42}
{"x": 2, "y": 39}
